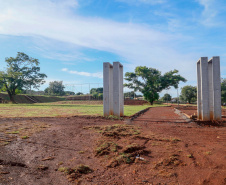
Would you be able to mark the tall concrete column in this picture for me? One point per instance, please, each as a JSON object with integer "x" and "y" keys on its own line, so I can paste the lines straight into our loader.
{"x": 117, "y": 89}
{"x": 210, "y": 79}
{"x": 216, "y": 88}
{"x": 209, "y": 89}
{"x": 199, "y": 102}
{"x": 107, "y": 89}
{"x": 204, "y": 89}
{"x": 121, "y": 92}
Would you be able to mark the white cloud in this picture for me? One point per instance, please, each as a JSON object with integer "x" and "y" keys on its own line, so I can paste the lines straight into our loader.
{"x": 97, "y": 75}
{"x": 138, "y": 44}
{"x": 64, "y": 69}
{"x": 212, "y": 9}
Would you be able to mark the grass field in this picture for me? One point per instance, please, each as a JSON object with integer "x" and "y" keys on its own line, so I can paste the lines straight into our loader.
{"x": 60, "y": 110}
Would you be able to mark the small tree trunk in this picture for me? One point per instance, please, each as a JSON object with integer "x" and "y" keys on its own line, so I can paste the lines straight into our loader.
{"x": 151, "y": 102}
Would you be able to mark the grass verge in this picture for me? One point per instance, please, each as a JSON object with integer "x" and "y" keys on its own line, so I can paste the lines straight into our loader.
{"x": 60, "y": 110}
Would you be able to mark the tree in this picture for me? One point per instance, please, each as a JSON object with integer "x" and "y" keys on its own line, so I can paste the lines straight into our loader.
{"x": 55, "y": 88}
{"x": 131, "y": 94}
{"x": 22, "y": 72}
{"x": 96, "y": 90}
{"x": 223, "y": 90}
{"x": 79, "y": 93}
{"x": 68, "y": 93}
{"x": 188, "y": 93}
{"x": 166, "y": 97}
{"x": 151, "y": 82}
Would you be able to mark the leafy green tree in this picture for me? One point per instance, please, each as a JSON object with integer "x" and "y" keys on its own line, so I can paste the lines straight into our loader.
{"x": 151, "y": 82}
{"x": 55, "y": 88}
{"x": 131, "y": 94}
{"x": 96, "y": 90}
{"x": 223, "y": 90}
{"x": 166, "y": 97}
{"x": 188, "y": 93}
{"x": 22, "y": 72}
{"x": 79, "y": 93}
{"x": 69, "y": 93}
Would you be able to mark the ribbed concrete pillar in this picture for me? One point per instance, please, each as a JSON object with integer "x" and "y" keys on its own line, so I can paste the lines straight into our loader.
{"x": 113, "y": 99}
{"x": 118, "y": 89}
{"x": 108, "y": 89}
{"x": 209, "y": 89}
{"x": 210, "y": 79}
{"x": 199, "y": 102}
{"x": 121, "y": 92}
{"x": 204, "y": 89}
{"x": 216, "y": 88}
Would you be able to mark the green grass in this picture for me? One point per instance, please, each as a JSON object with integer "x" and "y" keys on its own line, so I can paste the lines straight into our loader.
{"x": 58, "y": 110}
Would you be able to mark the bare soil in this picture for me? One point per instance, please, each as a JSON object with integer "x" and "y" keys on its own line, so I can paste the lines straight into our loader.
{"x": 159, "y": 147}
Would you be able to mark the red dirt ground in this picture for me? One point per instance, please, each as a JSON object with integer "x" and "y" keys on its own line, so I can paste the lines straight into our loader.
{"x": 169, "y": 150}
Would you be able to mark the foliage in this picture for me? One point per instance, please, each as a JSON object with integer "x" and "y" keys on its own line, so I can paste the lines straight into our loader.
{"x": 96, "y": 90}
{"x": 22, "y": 72}
{"x": 68, "y": 93}
{"x": 167, "y": 97}
{"x": 55, "y": 88}
{"x": 151, "y": 82}
{"x": 131, "y": 94}
{"x": 189, "y": 93}
{"x": 223, "y": 90}
{"x": 97, "y": 93}
{"x": 79, "y": 93}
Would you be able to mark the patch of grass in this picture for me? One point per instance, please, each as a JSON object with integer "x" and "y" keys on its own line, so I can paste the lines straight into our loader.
{"x": 105, "y": 148}
{"x": 175, "y": 140}
{"x": 75, "y": 173}
{"x": 117, "y": 130}
{"x": 66, "y": 109}
{"x": 208, "y": 153}
{"x": 81, "y": 152}
{"x": 24, "y": 137}
{"x": 173, "y": 160}
{"x": 13, "y": 132}
{"x": 190, "y": 156}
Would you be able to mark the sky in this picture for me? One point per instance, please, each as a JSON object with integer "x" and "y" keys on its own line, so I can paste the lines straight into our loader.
{"x": 72, "y": 38}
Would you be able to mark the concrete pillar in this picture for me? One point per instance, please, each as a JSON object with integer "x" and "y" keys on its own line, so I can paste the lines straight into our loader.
{"x": 113, "y": 98}
{"x": 121, "y": 92}
{"x": 209, "y": 89}
{"x": 216, "y": 88}
{"x": 107, "y": 89}
{"x": 199, "y": 103}
{"x": 210, "y": 79}
{"x": 204, "y": 89}
{"x": 117, "y": 89}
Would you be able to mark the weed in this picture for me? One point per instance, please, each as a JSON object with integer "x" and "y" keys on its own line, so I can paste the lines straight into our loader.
{"x": 117, "y": 130}
{"x": 13, "y": 132}
{"x": 81, "y": 152}
{"x": 208, "y": 153}
{"x": 105, "y": 148}
{"x": 24, "y": 137}
{"x": 174, "y": 140}
{"x": 60, "y": 163}
{"x": 75, "y": 173}
{"x": 190, "y": 156}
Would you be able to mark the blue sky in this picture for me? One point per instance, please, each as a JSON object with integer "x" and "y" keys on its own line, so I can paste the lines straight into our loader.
{"x": 72, "y": 38}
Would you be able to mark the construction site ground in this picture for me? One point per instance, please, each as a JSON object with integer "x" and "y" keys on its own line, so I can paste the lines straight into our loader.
{"x": 158, "y": 147}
